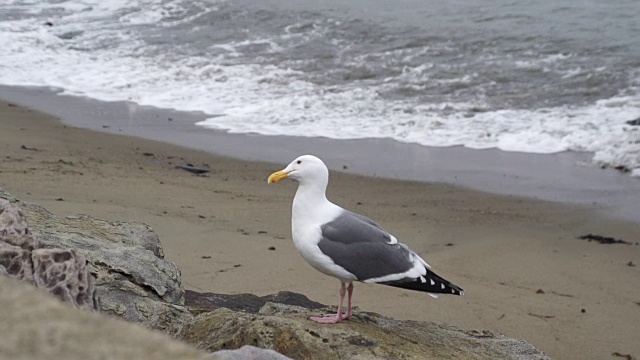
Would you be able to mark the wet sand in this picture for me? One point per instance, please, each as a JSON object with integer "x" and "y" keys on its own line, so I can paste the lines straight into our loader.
{"x": 523, "y": 271}
{"x": 565, "y": 177}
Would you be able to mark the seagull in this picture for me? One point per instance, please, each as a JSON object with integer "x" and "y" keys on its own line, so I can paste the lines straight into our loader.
{"x": 349, "y": 246}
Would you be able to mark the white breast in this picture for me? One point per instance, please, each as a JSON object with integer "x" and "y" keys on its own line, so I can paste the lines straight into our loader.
{"x": 306, "y": 233}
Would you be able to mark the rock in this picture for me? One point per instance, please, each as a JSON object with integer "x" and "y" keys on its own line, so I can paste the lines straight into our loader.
{"x": 65, "y": 274}
{"x": 15, "y": 259}
{"x": 36, "y": 326}
{"x": 204, "y": 302}
{"x": 62, "y": 273}
{"x": 248, "y": 352}
{"x": 132, "y": 278}
{"x": 285, "y": 328}
{"x": 635, "y": 122}
{"x": 12, "y": 221}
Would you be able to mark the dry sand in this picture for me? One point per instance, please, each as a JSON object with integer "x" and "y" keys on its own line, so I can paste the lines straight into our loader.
{"x": 219, "y": 228}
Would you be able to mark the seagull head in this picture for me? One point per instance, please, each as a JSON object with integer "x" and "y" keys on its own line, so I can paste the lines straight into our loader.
{"x": 306, "y": 169}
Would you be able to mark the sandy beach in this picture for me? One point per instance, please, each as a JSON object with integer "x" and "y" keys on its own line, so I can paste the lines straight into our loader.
{"x": 524, "y": 272}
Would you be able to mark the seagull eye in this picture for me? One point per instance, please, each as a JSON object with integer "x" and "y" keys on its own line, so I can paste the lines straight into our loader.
{"x": 299, "y": 161}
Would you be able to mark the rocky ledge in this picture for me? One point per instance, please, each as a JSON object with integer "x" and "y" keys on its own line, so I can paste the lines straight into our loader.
{"x": 126, "y": 276}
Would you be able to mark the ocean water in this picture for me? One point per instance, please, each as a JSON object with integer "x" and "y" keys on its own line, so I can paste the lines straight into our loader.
{"x": 538, "y": 77}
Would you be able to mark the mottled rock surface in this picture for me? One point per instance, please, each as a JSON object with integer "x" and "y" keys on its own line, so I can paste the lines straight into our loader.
{"x": 248, "y": 352}
{"x": 36, "y": 326}
{"x": 132, "y": 278}
{"x": 15, "y": 256}
{"x": 61, "y": 272}
{"x": 285, "y": 328}
{"x": 65, "y": 274}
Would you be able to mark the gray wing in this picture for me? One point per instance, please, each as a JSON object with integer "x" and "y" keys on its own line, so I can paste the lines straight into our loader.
{"x": 363, "y": 248}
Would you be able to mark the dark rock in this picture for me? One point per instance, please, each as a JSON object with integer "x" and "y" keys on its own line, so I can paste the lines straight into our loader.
{"x": 249, "y": 303}
{"x": 622, "y": 168}
{"x": 635, "y": 122}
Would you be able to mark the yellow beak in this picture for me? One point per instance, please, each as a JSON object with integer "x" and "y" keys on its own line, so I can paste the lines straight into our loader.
{"x": 277, "y": 176}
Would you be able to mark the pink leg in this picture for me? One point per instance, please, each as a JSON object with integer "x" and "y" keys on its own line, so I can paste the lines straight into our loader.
{"x": 350, "y": 290}
{"x": 332, "y": 319}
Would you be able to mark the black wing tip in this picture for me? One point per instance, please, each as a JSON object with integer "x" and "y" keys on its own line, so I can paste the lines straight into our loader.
{"x": 430, "y": 283}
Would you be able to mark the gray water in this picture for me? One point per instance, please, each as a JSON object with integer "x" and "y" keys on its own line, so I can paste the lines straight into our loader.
{"x": 509, "y": 49}
{"x": 536, "y": 77}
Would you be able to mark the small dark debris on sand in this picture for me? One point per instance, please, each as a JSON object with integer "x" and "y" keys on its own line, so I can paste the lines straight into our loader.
{"x": 261, "y": 232}
{"x": 206, "y": 257}
{"x": 193, "y": 169}
{"x": 24, "y": 147}
{"x": 631, "y": 264}
{"x": 541, "y": 316}
{"x": 12, "y": 105}
{"x": 603, "y": 239}
{"x": 272, "y": 248}
{"x": 147, "y": 154}
{"x": 202, "y": 216}
{"x": 449, "y": 244}
{"x": 237, "y": 265}
{"x": 540, "y": 291}
{"x": 583, "y": 310}
{"x": 561, "y": 294}
{"x": 59, "y": 199}
{"x": 625, "y": 356}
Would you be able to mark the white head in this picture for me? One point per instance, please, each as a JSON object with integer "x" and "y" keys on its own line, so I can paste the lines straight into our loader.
{"x": 306, "y": 169}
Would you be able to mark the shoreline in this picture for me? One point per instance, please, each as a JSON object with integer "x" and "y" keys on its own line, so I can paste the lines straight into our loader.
{"x": 566, "y": 177}
{"x": 219, "y": 229}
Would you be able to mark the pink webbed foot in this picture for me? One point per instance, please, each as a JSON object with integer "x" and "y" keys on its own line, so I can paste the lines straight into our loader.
{"x": 327, "y": 319}
{"x": 333, "y": 319}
